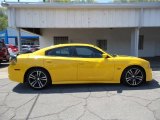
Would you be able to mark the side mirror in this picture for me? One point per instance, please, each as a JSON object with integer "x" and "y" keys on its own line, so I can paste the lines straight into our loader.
{"x": 104, "y": 55}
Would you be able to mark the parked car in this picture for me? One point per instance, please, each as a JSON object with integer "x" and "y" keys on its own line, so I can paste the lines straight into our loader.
{"x": 77, "y": 63}
{"x": 4, "y": 54}
{"x": 27, "y": 49}
{"x": 35, "y": 47}
{"x": 12, "y": 48}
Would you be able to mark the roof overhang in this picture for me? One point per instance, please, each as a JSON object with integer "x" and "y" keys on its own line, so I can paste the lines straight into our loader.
{"x": 80, "y": 5}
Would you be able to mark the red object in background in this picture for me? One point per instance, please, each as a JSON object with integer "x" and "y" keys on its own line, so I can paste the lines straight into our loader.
{"x": 12, "y": 47}
{"x": 4, "y": 54}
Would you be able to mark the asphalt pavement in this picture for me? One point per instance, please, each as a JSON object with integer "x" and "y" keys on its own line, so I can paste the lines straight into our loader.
{"x": 79, "y": 102}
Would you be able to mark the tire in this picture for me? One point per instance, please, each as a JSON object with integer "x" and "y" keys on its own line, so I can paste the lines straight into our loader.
{"x": 38, "y": 78}
{"x": 133, "y": 76}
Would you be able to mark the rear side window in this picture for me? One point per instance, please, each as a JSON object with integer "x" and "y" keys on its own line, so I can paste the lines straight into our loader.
{"x": 63, "y": 51}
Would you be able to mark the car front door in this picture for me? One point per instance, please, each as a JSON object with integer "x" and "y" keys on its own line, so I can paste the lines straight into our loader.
{"x": 60, "y": 64}
{"x": 92, "y": 66}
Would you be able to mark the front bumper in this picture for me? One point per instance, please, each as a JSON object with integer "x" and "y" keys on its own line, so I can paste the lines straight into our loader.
{"x": 149, "y": 74}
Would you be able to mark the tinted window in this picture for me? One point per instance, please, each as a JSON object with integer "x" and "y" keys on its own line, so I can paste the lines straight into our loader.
{"x": 65, "y": 51}
{"x": 25, "y": 46}
{"x": 87, "y": 52}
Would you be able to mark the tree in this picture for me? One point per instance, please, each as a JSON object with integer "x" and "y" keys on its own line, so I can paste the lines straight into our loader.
{"x": 3, "y": 19}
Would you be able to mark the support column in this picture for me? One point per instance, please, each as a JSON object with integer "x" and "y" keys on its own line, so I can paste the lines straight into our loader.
{"x": 6, "y": 37}
{"x": 19, "y": 39}
{"x": 134, "y": 42}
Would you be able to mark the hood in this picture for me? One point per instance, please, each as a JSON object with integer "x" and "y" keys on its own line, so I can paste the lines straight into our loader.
{"x": 129, "y": 58}
{"x": 124, "y": 56}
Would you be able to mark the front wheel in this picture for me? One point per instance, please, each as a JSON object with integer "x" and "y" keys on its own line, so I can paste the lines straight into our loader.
{"x": 38, "y": 78}
{"x": 133, "y": 76}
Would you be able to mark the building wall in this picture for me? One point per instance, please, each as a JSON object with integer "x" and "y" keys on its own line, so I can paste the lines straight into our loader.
{"x": 151, "y": 42}
{"x": 118, "y": 40}
{"x": 83, "y": 17}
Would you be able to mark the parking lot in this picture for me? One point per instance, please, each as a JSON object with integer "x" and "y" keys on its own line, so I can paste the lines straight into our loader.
{"x": 80, "y": 102}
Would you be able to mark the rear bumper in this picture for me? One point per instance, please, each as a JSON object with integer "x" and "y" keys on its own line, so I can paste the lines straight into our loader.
{"x": 4, "y": 57}
{"x": 15, "y": 74}
{"x": 149, "y": 74}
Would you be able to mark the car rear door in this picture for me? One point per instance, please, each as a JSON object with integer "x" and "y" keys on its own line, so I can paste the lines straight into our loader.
{"x": 60, "y": 63}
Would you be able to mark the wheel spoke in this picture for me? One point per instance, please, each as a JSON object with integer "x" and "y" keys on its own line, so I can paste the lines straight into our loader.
{"x": 39, "y": 73}
{"x": 139, "y": 77}
{"x": 33, "y": 83}
{"x": 136, "y": 72}
{"x": 32, "y": 76}
{"x": 130, "y": 72}
{"x": 43, "y": 78}
{"x": 41, "y": 83}
{"x": 134, "y": 82}
{"x": 129, "y": 78}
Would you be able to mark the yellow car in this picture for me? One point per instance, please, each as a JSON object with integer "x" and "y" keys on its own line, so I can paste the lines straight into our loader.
{"x": 75, "y": 64}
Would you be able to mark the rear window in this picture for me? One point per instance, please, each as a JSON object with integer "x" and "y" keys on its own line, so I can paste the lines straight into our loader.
{"x": 25, "y": 47}
{"x": 62, "y": 51}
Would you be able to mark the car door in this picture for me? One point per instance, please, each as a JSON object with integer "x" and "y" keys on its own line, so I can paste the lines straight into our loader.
{"x": 92, "y": 66}
{"x": 60, "y": 63}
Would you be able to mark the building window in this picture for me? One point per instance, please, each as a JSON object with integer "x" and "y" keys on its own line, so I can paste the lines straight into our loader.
{"x": 141, "y": 42}
{"x": 60, "y": 40}
{"x": 102, "y": 44}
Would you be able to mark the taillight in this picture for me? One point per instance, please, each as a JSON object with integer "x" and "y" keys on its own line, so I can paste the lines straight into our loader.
{"x": 3, "y": 49}
{"x": 13, "y": 59}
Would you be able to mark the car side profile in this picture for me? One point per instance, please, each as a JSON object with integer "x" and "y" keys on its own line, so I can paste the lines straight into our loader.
{"x": 75, "y": 64}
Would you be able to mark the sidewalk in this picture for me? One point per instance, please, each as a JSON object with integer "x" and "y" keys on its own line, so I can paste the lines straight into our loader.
{"x": 3, "y": 70}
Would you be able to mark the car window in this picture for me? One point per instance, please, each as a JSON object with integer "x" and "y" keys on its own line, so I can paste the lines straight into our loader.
{"x": 24, "y": 47}
{"x": 63, "y": 51}
{"x": 87, "y": 52}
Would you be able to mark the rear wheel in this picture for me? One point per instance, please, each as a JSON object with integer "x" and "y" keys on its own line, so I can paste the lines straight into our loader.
{"x": 38, "y": 78}
{"x": 133, "y": 76}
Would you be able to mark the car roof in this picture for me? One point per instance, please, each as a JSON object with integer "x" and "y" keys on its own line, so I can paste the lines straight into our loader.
{"x": 65, "y": 45}
{"x": 73, "y": 44}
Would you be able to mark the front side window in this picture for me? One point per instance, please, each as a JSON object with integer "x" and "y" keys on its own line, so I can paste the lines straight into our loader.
{"x": 64, "y": 52}
{"x": 87, "y": 52}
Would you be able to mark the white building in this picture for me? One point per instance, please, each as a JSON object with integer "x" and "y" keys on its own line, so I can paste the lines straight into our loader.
{"x": 128, "y": 29}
